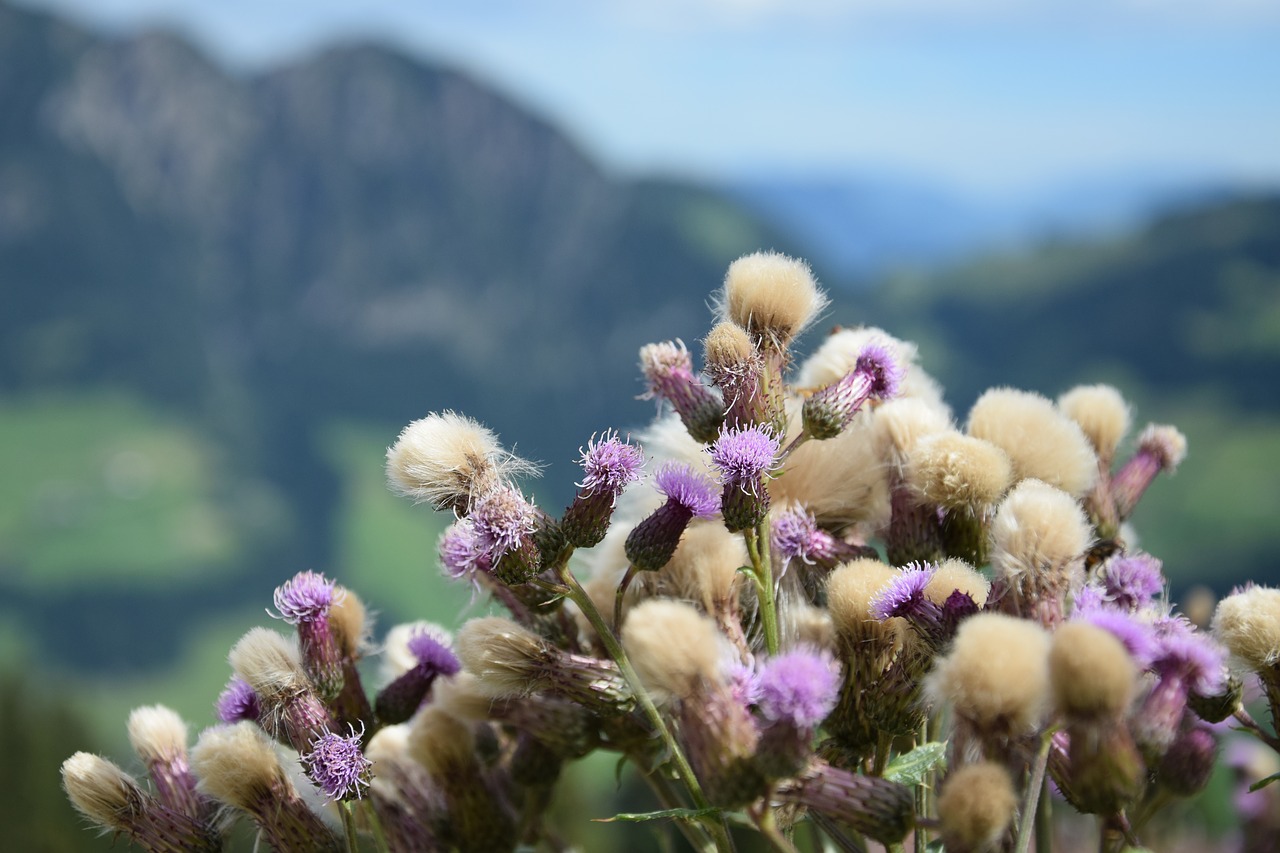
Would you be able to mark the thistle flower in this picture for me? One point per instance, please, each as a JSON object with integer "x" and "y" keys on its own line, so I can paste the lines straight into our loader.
{"x": 830, "y": 410}
{"x": 1101, "y": 413}
{"x": 463, "y": 554}
{"x": 447, "y": 461}
{"x": 877, "y": 808}
{"x": 159, "y": 737}
{"x": 113, "y": 800}
{"x": 504, "y": 524}
{"x": 1093, "y": 677}
{"x": 238, "y": 766}
{"x": 1185, "y": 662}
{"x": 736, "y": 367}
{"x": 1247, "y": 622}
{"x": 673, "y": 647}
{"x": 689, "y": 495}
{"x": 1160, "y": 448}
{"x": 288, "y": 704}
{"x": 906, "y": 596}
{"x": 1187, "y": 765}
{"x": 1132, "y": 582}
{"x": 1041, "y": 442}
{"x": 432, "y": 658}
{"x": 338, "y": 766}
{"x": 610, "y": 465}
{"x": 744, "y": 456}
{"x": 304, "y": 601}
{"x": 237, "y": 702}
{"x": 771, "y": 296}
{"x": 1137, "y": 637}
{"x": 798, "y": 688}
{"x": 952, "y": 576}
{"x": 976, "y": 807}
{"x": 668, "y": 373}
{"x": 838, "y": 354}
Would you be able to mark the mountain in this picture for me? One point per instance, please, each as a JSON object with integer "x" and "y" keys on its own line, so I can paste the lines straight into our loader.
{"x": 864, "y": 227}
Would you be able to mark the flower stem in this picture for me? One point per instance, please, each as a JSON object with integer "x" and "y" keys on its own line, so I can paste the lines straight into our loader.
{"x": 379, "y": 837}
{"x": 758, "y": 548}
{"x": 579, "y": 596}
{"x": 349, "y": 827}
{"x": 1031, "y": 798}
{"x": 764, "y": 820}
{"x": 620, "y": 595}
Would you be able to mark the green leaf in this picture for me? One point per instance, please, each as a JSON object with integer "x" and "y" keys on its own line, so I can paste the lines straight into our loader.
{"x": 1262, "y": 783}
{"x": 910, "y": 768}
{"x": 676, "y": 814}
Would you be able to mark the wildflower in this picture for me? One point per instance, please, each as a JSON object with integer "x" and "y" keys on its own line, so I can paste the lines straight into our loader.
{"x": 1185, "y": 662}
{"x": 1187, "y": 765}
{"x": 338, "y": 766}
{"x": 830, "y": 410}
{"x": 1092, "y": 675}
{"x": 771, "y": 296}
{"x": 238, "y": 766}
{"x": 304, "y": 601}
{"x": 432, "y": 658}
{"x": 799, "y": 688}
{"x": 1132, "y": 582}
{"x": 953, "y": 576}
{"x": 668, "y": 372}
{"x": 875, "y": 807}
{"x": 610, "y": 465}
{"x": 159, "y": 737}
{"x": 1042, "y": 443}
{"x": 237, "y": 702}
{"x": 1101, "y": 413}
{"x": 689, "y": 495}
{"x": 113, "y": 800}
{"x": 1248, "y": 624}
{"x": 976, "y": 807}
{"x": 743, "y": 456}
{"x": 505, "y": 524}
{"x": 288, "y": 704}
{"x": 1160, "y": 448}
{"x": 736, "y": 367}
{"x": 447, "y": 460}
{"x": 462, "y": 553}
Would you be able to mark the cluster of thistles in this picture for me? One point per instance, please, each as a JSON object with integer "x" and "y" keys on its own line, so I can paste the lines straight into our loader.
{"x": 813, "y": 597}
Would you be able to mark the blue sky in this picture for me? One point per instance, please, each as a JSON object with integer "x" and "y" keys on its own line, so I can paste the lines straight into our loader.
{"x": 996, "y": 96}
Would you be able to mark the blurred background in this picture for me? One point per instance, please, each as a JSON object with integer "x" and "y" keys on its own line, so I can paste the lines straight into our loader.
{"x": 243, "y": 243}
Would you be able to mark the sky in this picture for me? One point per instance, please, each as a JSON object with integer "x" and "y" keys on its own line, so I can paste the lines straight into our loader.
{"x": 990, "y": 96}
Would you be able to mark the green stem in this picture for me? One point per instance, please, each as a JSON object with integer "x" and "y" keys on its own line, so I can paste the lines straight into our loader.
{"x": 758, "y": 548}
{"x": 1044, "y": 822}
{"x": 694, "y": 833}
{"x": 919, "y": 837}
{"x": 764, "y": 820}
{"x": 349, "y": 827}
{"x": 379, "y": 837}
{"x": 1031, "y": 798}
{"x": 621, "y": 594}
{"x": 579, "y": 596}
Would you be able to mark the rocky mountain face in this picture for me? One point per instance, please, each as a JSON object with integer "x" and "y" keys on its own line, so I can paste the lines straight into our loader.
{"x": 356, "y": 233}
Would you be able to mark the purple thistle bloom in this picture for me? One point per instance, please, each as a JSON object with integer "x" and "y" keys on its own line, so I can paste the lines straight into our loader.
{"x": 744, "y": 455}
{"x": 905, "y": 595}
{"x": 338, "y": 766}
{"x": 1185, "y": 654}
{"x": 503, "y": 521}
{"x": 1138, "y": 637}
{"x": 1133, "y": 582}
{"x": 799, "y": 687}
{"x": 1089, "y": 598}
{"x": 305, "y": 598}
{"x": 611, "y": 465}
{"x": 685, "y": 486}
{"x": 796, "y": 535}
{"x": 237, "y": 702}
{"x": 744, "y": 682}
{"x": 433, "y": 655}
{"x": 883, "y": 371}
{"x": 461, "y": 552}
{"x": 668, "y": 373}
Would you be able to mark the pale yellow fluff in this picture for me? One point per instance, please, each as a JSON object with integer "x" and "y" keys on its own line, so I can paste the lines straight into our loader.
{"x": 838, "y": 355}
{"x": 157, "y": 733}
{"x": 976, "y": 807}
{"x": 1041, "y": 442}
{"x": 851, "y": 587}
{"x": 1038, "y": 528}
{"x": 101, "y": 791}
{"x": 1248, "y": 624}
{"x": 270, "y": 663}
{"x": 504, "y": 657}
{"x": 1092, "y": 674}
{"x": 238, "y": 765}
{"x": 441, "y": 743}
{"x": 841, "y": 480}
{"x": 673, "y": 647}
{"x": 772, "y": 295}
{"x": 704, "y": 568}
{"x": 898, "y": 425}
{"x": 953, "y": 575}
{"x": 1101, "y": 412}
{"x": 955, "y": 471}
{"x": 997, "y": 674}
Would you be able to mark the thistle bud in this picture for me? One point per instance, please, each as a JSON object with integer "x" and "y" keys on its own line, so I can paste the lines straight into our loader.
{"x": 403, "y": 695}
{"x": 304, "y": 602}
{"x": 610, "y": 465}
{"x": 875, "y": 807}
{"x": 338, "y": 767}
{"x": 689, "y": 495}
{"x": 288, "y": 706}
{"x": 830, "y": 410}
{"x": 744, "y": 456}
{"x": 1187, "y": 765}
{"x": 1160, "y": 448}
{"x": 159, "y": 737}
{"x": 505, "y": 524}
{"x": 668, "y": 372}
{"x": 237, "y": 702}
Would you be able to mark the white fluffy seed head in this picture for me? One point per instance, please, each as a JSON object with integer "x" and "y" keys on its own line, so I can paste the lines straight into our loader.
{"x": 1041, "y": 442}
{"x": 448, "y": 460}
{"x": 772, "y": 296}
{"x": 851, "y": 588}
{"x": 270, "y": 663}
{"x": 1248, "y": 624}
{"x": 350, "y": 622}
{"x": 898, "y": 425}
{"x": 1166, "y": 442}
{"x": 462, "y": 697}
{"x": 841, "y": 480}
{"x": 238, "y": 765}
{"x": 976, "y": 807}
{"x": 1102, "y": 414}
{"x": 505, "y": 658}
{"x": 101, "y": 791}
{"x": 675, "y": 649}
{"x": 1092, "y": 674}
{"x": 953, "y": 575}
{"x": 997, "y": 674}
{"x": 157, "y": 733}
{"x": 1038, "y": 528}
{"x": 955, "y": 470}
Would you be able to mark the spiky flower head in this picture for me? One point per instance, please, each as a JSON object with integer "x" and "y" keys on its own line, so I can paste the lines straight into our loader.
{"x": 744, "y": 455}
{"x": 610, "y": 465}
{"x": 462, "y": 553}
{"x": 305, "y": 597}
{"x": 1160, "y": 448}
{"x": 447, "y": 461}
{"x": 797, "y": 536}
{"x": 1136, "y": 635}
{"x": 668, "y": 373}
{"x": 650, "y": 545}
{"x": 505, "y": 524}
{"x": 906, "y": 594}
{"x": 433, "y": 653}
{"x": 237, "y": 702}
{"x": 1190, "y": 656}
{"x": 1132, "y": 582}
{"x": 338, "y": 766}
{"x": 798, "y": 688}
{"x": 829, "y": 411}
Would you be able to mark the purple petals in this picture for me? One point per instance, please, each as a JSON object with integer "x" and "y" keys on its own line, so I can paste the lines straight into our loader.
{"x": 883, "y": 371}
{"x": 338, "y": 766}
{"x": 610, "y": 465}
{"x": 433, "y": 654}
{"x": 744, "y": 454}
{"x": 799, "y": 687}
{"x": 680, "y": 483}
{"x": 305, "y": 598}
{"x": 237, "y": 702}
